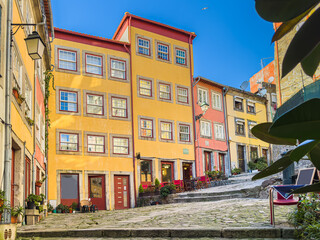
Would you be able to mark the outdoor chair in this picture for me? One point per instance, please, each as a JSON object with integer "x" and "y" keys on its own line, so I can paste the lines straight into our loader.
{"x": 179, "y": 185}
{"x": 85, "y": 205}
{"x": 203, "y": 182}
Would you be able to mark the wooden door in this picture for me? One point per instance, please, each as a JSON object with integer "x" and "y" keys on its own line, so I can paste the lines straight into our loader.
{"x": 222, "y": 167}
{"x": 187, "y": 171}
{"x": 121, "y": 192}
{"x": 97, "y": 191}
{"x": 241, "y": 158}
{"x": 69, "y": 189}
{"x": 207, "y": 161}
{"x": 37, "y": 179}
{"x": 12, "y": 178}
{"x": 27, "y": 177}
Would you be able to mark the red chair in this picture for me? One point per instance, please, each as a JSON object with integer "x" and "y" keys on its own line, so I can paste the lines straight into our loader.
{"x": 205, "y": 181}
{"x": 145, "y": 186}
{"x": 279, "y": 201}
{"x": 179, "y": 185}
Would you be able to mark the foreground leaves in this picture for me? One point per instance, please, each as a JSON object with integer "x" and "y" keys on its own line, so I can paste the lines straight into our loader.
{"x": 314, "y": 156}
{"x": 302, "y": 122}
{"x": 276, "y": 167}
{"x": 303, "y": 43}
{"x": 282, "y": 10}
{"x": 303, "y": 149}
{"x": 261, "y": 131}
{"x": 310, "y": 188}
{"x": 311, "y": 62}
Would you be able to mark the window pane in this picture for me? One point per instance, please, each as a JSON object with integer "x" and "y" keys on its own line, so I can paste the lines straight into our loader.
{"x": 69, "y": 186}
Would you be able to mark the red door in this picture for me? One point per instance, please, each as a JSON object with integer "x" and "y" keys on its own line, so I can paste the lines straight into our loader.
{"x": 121, "y": 192}
{"x": 207, "y": 160}
{"x": 12, "y": 179}
{"x": 27, "y": 177}
{"x": 69, "y": 189}
{"x": 97, "y": 191}
{"x": 221, "y": 163}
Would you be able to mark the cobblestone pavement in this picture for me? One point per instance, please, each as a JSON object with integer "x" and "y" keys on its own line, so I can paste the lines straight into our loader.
{"x": 158, "y": 239}
{"x": 219, "y": 214}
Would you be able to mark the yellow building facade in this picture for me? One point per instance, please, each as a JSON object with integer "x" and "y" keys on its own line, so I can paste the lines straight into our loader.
{"x": 162, "y": 69}
{"x": 244, "y": 111}
{"x": 90, "y": 139}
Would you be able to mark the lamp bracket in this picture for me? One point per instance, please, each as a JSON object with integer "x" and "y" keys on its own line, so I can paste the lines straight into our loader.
{"x": 21, "y": 25}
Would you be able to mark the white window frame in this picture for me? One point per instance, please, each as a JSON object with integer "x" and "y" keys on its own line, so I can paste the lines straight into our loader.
{"x": 77, "y": 143}
{"x": 118, "y": 70}
{"x": 68, "y": 60}
{"x": 219, "y": 132}
{"x": 184, "y": 96}
{"x": 205, "y": 129}
{"x": 216, "y": 100}
{"x": 94, "y": 65}
{"x": 96, "y": 105}
{"x": 96, "y": 144}
{"x": 201, "y": 98}
{"x": 76, "y": 103}
{"x": 144, "y": 47}
{"x": 166, "y": 131}
{"x": 121, "y": 146}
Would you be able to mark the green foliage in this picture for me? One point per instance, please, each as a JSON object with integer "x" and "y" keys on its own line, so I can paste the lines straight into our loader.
{"x": 259, "y": 164}
{"x": 36, "y": 199}
{"x": 141, "y": 190}
{"x": 304, "y": 47}
{"x": 50, "y": 207}
{"x": 236, "y": 171}
{"x": 40, "y": 208}
{"x": 74, "y": 205}
{"x": 306, "y": 217}
{"x": 2, "y": 194}
{"x": 16, "y": 211}
{"x": 60, "y": 207}
{"x": 157, "y": 184}
{"x": 165, "y": 191}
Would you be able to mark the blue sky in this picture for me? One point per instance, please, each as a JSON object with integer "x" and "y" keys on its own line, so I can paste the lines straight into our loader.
{"x": 232, "y": 39}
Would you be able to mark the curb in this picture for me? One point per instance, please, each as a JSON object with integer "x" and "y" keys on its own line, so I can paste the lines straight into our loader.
{"x": 162, "y": 232}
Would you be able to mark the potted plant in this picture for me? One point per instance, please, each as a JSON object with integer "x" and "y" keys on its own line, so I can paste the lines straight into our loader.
{"x": 74, "y": 206}
{"x": 141, "y": 190}
{"x": 70, "y": 209}
{"x": 39, "y": 182}
{"x": 65, "y": 209}
{"x": 2, "y": 194}
{"x": 157, "y": 186}
{"x": 42, "y": 197}
{"x": 4, "y": 206}
{"x": 15, "y": 212}
{"x": 60, "y": 208}
{"x": 33, "y": 201}
{"x": 50, "y": 208}
{"x": 30, "y": 122}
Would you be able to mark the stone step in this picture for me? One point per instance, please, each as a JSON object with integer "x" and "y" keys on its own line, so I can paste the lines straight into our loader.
{"x": 199, "y": 198}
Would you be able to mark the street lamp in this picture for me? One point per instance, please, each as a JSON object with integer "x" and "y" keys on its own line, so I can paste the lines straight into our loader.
{"x": 204, "y": 107}
{"x": 35, "y": 45}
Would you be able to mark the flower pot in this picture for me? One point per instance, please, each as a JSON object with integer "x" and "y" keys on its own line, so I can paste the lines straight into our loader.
{"x": 15, "y": 93}
{"x": 1, "y": 202}
{"x": 31, "y": 205}
{"x": 14, "y": 219}
{"x": 38, "y": 184}
{"x": 54, "y": 211}
{"x": 59, "y": 211}
{"x": 70, "y": 210}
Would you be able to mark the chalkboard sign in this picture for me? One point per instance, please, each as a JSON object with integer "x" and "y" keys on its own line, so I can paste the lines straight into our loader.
{"x": 306, "y": 176}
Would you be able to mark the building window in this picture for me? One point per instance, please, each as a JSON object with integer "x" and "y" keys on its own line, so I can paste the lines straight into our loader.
{"x": 164, "y": 91}
{"x": 202, "y": 96}
{"x": 253, "y": 153}
{"x": 118, "y": 69}
{"x": 146, "y": 172}
{"x": 240, "y": 127}
{"x": 96, "y": 144}
{"x": 184, "y": 133}
{"x": 95, "y": 104}
{"x": 146, "y": 128}
{"x": 94, "y": 64}
{"x": 219, "y": 132}
{"x": 265, "y": 153}
{"x": 163, "y": 51}
{"x": 205, "y": 129}
{"x": 67, "y": 59}
{"x": 143, "y": 46}
{"x": 251, "y": 124}
{"x": 69, "y": 142}
{"x": 181, "y": 56}
{"x": 28, "y": 101}
{"x": 166, "y": 130}
{"x": 17, "y": 70}
{"x": 238, "y": 104}
{"x": 68, "y": 101}
{"x": 251, "y": 107}
{"x": 216, "y": 101}
{"x": 182, "y": 95}
{"x": 145, "y": 87}
{"x": 119, "y": 107}
{"x": 120, "y": 145}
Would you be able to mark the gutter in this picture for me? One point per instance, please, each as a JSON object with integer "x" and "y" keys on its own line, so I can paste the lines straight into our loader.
{"x": 224, "y": 93}
{"x": 193, "y": 108}
{"x": 34, "y": 127}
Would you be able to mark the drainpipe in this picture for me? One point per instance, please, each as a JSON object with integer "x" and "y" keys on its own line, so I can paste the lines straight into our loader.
{"x": 224, "y": 92}
{"x": 8, "y": 92}
{"x": 132, "y": 120}
{"x": 192, "y": 102}
{"x": 34, "y": 127}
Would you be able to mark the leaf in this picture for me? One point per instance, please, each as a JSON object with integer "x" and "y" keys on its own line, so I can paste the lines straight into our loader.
{"x": 261, "y": 131}
{"x": 314, "y": 156}
{"x": 287, "y": 26}
{"x": 311, "y": 62}
{"x": 303, "y": 43}
{"x": 276, "y": 167}
{"x": 301, "y": 122}
{"x": 310, "y": 188}
{"x": 303, "y": 149}
{"x": 282, "y": 10}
